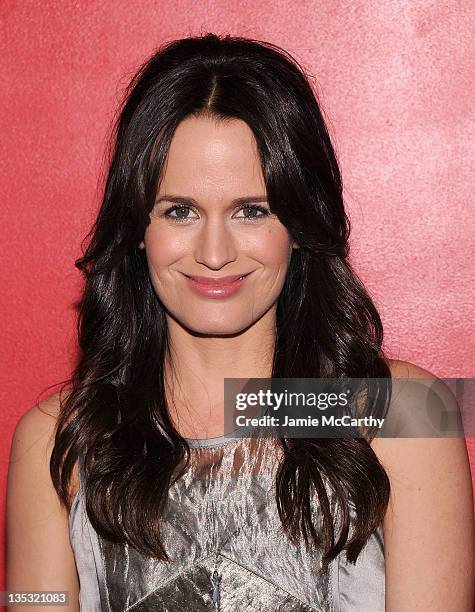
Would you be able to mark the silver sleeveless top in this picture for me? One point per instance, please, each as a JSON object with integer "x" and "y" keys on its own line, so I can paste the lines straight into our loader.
{"x": 227, "y": 547}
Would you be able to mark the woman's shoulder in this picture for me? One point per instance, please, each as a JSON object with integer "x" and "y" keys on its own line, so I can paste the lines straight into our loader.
{"x": 423, "y": 405}
{"x": 409, "y": 412}
{"x": 37, "y": 525}
{"x": 431, "y": 483}
{"x": 406, "y": 369}
{"x": 34, "y": 437}
{"x": 421, "y": 402}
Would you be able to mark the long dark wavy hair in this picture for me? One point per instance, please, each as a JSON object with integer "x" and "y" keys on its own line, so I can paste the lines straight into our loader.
{"x": 115, "y": 413}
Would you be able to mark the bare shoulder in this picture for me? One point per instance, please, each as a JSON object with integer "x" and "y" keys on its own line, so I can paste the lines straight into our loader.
{"x": 39, "y": 553}
{"x": 35, "y": 429}
{"x": 431, "y": 495}
{"x": 406, "y": 369}
{"x": 39, "y": 420}
{"x": 33, "y": 437}
{"x": 408, "y": 406}
{"x": 392, "y": 451}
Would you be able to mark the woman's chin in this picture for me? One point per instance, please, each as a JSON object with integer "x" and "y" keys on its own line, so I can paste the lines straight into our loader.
{"x": 206, "y": 327}
{"x": 224, "y": 329}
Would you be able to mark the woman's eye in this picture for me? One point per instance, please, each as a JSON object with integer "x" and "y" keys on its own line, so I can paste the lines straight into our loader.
{"x": 182, "y": 213}
{"x": 252, "y": 212}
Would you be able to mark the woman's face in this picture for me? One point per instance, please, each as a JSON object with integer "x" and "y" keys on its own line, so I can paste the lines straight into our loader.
{"x": 198, "y": 228}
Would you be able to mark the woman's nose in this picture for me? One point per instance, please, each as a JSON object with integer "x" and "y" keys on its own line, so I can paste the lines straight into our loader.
{"x": 215, "y": 245}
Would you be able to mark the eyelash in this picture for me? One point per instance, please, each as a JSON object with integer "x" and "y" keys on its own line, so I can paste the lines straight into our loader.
{"x": 245, "y": 206}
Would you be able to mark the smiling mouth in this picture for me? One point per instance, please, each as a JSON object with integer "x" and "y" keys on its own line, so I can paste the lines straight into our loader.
{"x": 211, "y": 281}
{"x": 217, "y": 287}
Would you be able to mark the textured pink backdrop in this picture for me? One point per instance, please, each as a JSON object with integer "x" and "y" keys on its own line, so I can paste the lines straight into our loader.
{"x": 396, "y": 83}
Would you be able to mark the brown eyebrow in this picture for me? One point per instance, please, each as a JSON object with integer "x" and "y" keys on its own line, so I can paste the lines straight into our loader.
{"x": 192, "y": 202}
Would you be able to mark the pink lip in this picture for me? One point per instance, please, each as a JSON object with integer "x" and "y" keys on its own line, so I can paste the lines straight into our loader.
{"x": 216, "y": 287}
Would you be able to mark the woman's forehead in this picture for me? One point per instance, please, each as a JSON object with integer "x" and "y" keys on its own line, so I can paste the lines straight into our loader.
{"x": 207, "y": 158}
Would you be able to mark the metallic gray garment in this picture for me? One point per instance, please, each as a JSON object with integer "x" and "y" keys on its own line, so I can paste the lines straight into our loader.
{"x": 222, "y": 516}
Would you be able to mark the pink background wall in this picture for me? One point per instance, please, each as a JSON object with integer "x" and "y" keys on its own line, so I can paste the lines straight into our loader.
{"x": 396, "y": 83}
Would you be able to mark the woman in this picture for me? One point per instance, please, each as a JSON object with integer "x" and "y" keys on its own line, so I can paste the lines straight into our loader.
{"x": 220, "y": 251}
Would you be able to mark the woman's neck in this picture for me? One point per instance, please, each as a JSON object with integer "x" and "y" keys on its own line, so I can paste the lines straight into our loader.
{"x": 197, "y": 365}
